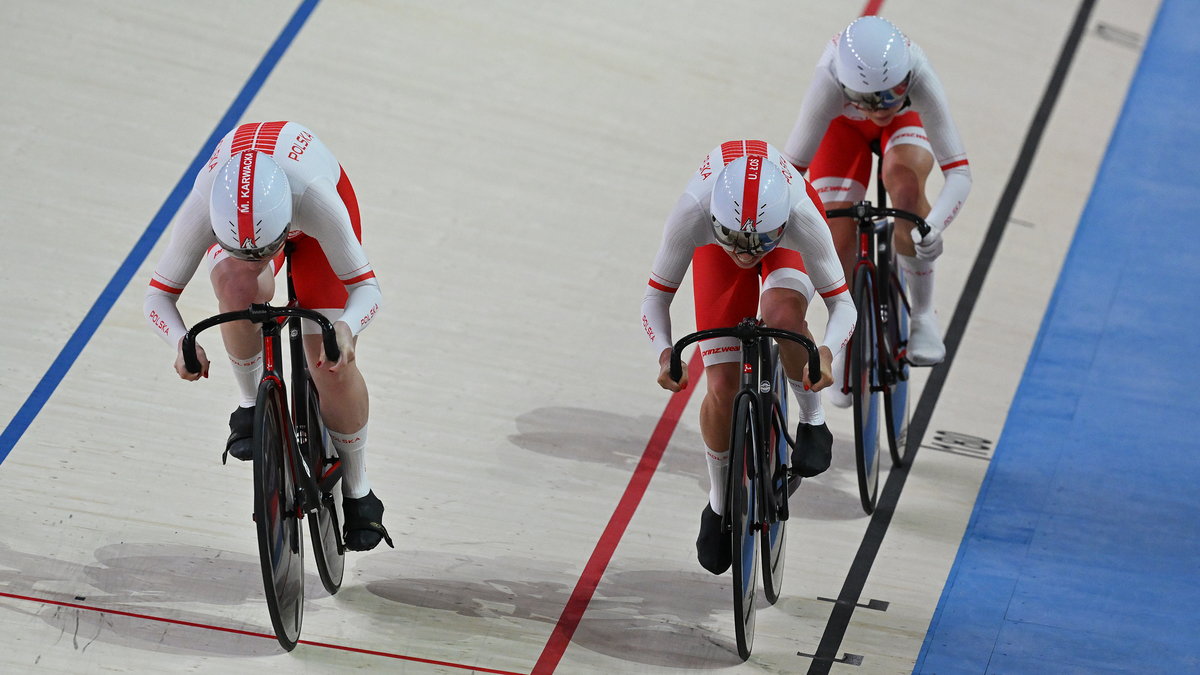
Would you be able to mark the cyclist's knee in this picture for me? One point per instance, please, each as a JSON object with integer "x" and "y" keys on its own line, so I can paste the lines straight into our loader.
{"x": 785, "y": 308}
{"x": 237, "y": 286}
{"x": 723, "y": 381}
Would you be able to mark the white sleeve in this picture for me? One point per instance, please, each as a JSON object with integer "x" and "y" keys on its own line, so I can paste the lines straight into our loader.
{"x": 929, "y": 100}
{"x": 324, "y": 217}
{"x": 670, "y": 265}
{"x": 808, "y": 233}
{"x": 823, "y": 102}
{"x": 190, "y": 238}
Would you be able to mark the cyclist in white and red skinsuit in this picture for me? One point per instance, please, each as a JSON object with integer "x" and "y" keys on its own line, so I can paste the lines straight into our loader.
{"x": 315, "y": 209}
{"x": 772, "y": 258}
{"x": 873, "y": 84}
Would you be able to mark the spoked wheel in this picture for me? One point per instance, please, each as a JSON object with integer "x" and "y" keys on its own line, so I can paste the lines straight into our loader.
{"x": 324, "y": 526}
{"x": 864, "y": 378}
{"x": 280, "y": 544}
{"x": 744, "y": 535}
{"x": 895, "y": 395}
{"x": 774, "y": 534}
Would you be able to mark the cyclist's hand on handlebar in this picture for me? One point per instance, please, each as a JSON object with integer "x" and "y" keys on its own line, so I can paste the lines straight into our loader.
{"x": 345, "y": 340}
{"x": 664, "y": 373}
{"x": 182, "y": 369}
{"x": 929, "y": 246}
{"x": 826, "y": 377}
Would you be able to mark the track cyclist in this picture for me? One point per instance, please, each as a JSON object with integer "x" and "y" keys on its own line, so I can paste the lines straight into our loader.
{"x": 761, "y": 247}
{"x": 873, "y": 85}
{"x": 267, "y": 184}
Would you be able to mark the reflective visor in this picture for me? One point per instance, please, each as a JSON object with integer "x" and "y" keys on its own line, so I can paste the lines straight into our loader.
{"x": 262, "y": 252}
{"x": 748, "y": 242}
{"x": 879, "y": 100}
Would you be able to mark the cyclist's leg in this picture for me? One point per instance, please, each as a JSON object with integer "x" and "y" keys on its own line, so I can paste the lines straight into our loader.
{"x": 345, "y": 401}
{"x": 237, "y": 284}
{"x": 907, "y": 162}
{"x": 787, "y": 293}
{"x": 840, "y": 172}
{"x": 724, "y": 294}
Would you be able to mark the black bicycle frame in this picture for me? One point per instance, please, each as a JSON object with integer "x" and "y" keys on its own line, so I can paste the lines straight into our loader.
{"x": 268, "y": 318}
{"x": 758, "y": 386}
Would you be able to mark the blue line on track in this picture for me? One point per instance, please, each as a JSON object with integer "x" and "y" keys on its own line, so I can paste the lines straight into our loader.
{"x": 1081, "y": 553}
{"x": 100, "y": 308}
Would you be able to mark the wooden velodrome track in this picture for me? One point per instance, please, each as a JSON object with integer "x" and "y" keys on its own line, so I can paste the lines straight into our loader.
{"x": 514, "y": 162}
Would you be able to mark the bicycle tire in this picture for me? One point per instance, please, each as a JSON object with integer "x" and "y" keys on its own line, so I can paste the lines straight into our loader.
{"x": 896, "y": 402}
{"x": 280, "y": 538}
{"x": 864, "y": 378}
{"x": 774, "y": 532}
{"x": 741, "y": 509}
{"x": 328, "y": 550}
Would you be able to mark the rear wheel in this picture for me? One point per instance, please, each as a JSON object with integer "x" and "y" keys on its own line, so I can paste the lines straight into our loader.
{"x": 895, "y": 394}
{"x": 280, "y": 545}
{"x": 328, "y": 551}
{"x": 774, "y": 534}
{"x": 864, "y": 379}
{"x": 744, "y": 535}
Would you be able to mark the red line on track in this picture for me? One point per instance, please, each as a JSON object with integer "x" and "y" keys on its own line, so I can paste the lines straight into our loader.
{"x": 268, "y": 636}
{"x": 872, "y": 7}
{"x": 586, "y": 587}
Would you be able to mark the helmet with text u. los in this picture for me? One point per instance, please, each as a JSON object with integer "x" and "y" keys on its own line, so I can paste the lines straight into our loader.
{"x": 751, "y": 203}
{"x": 251, "y": 206}
{"x": 873, "y": 63}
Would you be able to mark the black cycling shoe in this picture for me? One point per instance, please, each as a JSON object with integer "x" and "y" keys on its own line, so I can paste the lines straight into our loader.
{"x": 363, "y": 527}
{"x": 813, "y": 451}
{"x": 241, "y": 433}
{"x": 713, "y": 546}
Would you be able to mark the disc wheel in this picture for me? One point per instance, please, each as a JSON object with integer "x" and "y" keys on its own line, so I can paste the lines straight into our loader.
{"x": 895, "y": 395}
{"x": 280, "y": 539}
{"x": 328, "y": 550}
{"x": 864, "y": 378}
{"x": 774, "y": 533}
{"x": 744, "y": 534}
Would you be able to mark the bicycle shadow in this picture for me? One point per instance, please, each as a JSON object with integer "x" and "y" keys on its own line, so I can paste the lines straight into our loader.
{"x": 140, "y": 579}
{"x": 617, "y": 441}
{"x": 653, "y": 617}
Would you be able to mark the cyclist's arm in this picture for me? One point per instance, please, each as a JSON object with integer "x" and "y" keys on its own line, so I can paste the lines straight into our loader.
{"x": 325, "y": 218}
{"x": 190, "y": 237}
{"x": 822, "y": 103}
{"x": 808, "y": 233}
{"x": 929, "y": 99}
{"x": 670, "y": 265}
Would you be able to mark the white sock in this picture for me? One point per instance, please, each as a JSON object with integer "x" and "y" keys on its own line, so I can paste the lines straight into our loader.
{"x": 919, "y": 277}
{"x": 718, "y": 470}
{"x": 808, "y": 404}
{"x": 352, "y": 450}
{"x": 247, "y": 373}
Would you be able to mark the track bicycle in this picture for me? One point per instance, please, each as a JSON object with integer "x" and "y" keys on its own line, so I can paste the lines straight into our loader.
{"x": 296, "y": 470}
{"x": 760, "y": 477}
{"x": 877, "y": 360}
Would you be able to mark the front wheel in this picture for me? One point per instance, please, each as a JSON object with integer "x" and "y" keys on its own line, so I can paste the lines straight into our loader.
{"x": 864, "y": 378}
{"x": 895, "y": 393}
{"x": 741, "y": 509}
{"x": 774, "y": 533}
{"x": 323, "y": 525}
{"x": 280, "y": 538}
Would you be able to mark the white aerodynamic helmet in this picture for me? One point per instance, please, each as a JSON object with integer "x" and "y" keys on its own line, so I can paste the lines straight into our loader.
{"x": 751, "y": 202}
{"x": 873, "y": 63}
{"x": 251, "y": 206}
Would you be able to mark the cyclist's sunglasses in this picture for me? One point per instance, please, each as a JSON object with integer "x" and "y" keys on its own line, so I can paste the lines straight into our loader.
{"x": 880, "y": 100}
{"x": 751, "y": 243}
{"x": 264, "y": 252}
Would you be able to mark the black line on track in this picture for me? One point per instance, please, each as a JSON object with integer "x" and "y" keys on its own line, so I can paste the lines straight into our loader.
{"x": 843, "y": 609}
